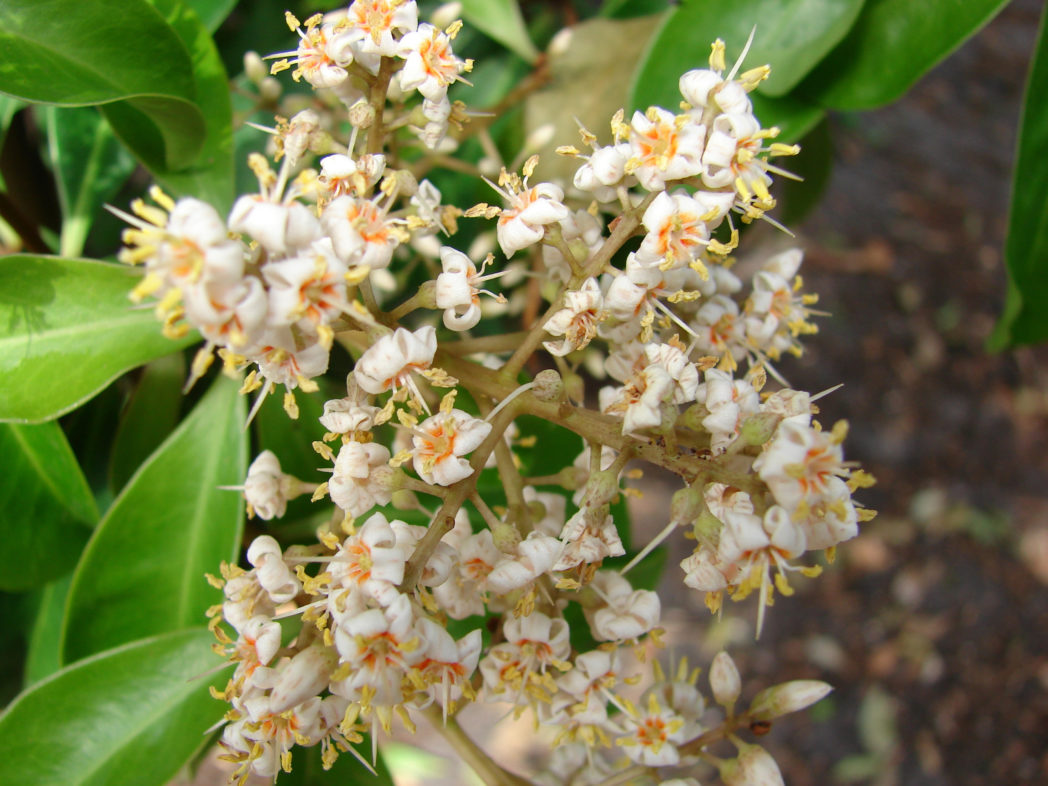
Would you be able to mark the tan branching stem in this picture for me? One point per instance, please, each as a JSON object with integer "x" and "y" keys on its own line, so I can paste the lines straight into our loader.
{"x": 482, "y": 764}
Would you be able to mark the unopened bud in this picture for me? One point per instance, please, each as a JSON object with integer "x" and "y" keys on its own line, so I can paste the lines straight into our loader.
{"x": 788, "y": 697}
{"x": 321, "y": 143}
{"x": 505, "y": 537}
{"x": 724, "y": 680}
{"x": 444, "y": 15}
{"x": 601, "y": 489}
{"x": 560, "y": 43}
{"x": 686, "y": 505}
{"x": 270, "y": 89}
{"x": 361, "y": 114}
{"x": 403, "y": 499}
{"x": 758, "y": 429}
{"x": 548, "y": 386}
{"x": 303, "y": 678}
{"x": 575, "y": 387}
{"x": 754, "y": 767}
{"x": 254, "y": 67}
{"x": 427, "y": 295}
{"x": 407, "y": 182}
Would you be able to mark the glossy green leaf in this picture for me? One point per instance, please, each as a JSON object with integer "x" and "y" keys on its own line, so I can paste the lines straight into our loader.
{"x": 793, "y": 116}
{"x": 151, "y": 414}
{"x": 791, "y": 36}
{"x": 501, "y": 20}
{"x": 72, "y": 53}
{"x": 43, "y": 657}
{"x": 626, "y": 9}
{"x": 892, "y": 45}
{"x": 210, "y": 177}
{"x": 143, "y": 570}
{"x": 129, "y": 715}
{"x": 1025, "y": 319}
{"x": 66, "y": 330}
{"x": 48, "y": 507}
{"x": 212, "y": 12}
{"x": 89, "y": 164}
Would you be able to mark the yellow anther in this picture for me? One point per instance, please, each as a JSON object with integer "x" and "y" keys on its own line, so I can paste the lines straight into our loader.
{"x": 717, "y": 62}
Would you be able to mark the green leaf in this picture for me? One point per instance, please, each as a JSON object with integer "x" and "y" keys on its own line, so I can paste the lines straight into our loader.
{"x": 68, "y": 320}
{"x": 794, "y": 117}
{"x": 132, "y": 714}
{"x": 791, "y": 36}
{"x": 210, "y": 177}
{"x": 502, "y": 21}
{"x": 892, "y": 45}
{"x": 151, "y": 414}
{"x": 1025, "y": 320}
{"x": 44, "y": 658}
{"x": 72, "y": 53}
{"x": 626, "y": 9}
{"x": 143, "y": 570}
{"x": 212, "y": 12}
{"x": 89, "y": 166}
{"x": 47, "y": 506}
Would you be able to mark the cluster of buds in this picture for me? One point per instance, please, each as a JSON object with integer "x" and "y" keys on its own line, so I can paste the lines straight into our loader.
{"x": 644, "y": 294}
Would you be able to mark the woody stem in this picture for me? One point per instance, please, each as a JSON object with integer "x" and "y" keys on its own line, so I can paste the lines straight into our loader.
{"x": 482, "y": 764}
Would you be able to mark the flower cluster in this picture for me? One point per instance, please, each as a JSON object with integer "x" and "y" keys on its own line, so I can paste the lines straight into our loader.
{"x": 646, "y": 306}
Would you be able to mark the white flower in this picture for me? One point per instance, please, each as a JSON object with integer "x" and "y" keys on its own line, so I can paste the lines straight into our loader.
{"x": 227, "y": 313}
{"x": 628, "y": 613}
{"x": 533, "y": 557}
{"x": 652, "y": 734}
{"x": 309, "y": 288}
{"x": 583, "y": 234}
{"x": 604, "y": 169}
{"x": 275, "y": 577}
{"x": 577, "y": 321}
{"x": 371, "y": 560}
{"x": 361, "y": 478}
{"x": 389, "y": 363}
{"x": 378, "y": 20}
{"x": 325, "y": 50}
{"x": 458, "y": 289}
{"x": 799, "y": 463}
{"x": 441, "y": 441}
{"x": 266, "y": 487}
{"x": 362, "y": 233}
{"x": 529, "y": 210}
{"x": 352, "y": 413}
{"x": 589, "y": 536}
{"x": 662, "y": 149}
{"x": 380, "y": 646}
{"x": 430, "y": 65}
{"x": 281, "y": 229}
{"x": 729, "y": 402}
{"x": 282, "y": 361}
{"x": 514, "y": 670}
{"x": 677, "y": 228}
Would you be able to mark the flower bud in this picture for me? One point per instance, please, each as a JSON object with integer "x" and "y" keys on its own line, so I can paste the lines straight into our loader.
{"x": 686, "y": 505}
{"x": 445, "y": 14}
{"x": 361, "y": 114}
{"x": 754, "y": 767}
{"x": 303, "y": 677}
{"x": 724, "y": 680}
{"x": 788, "y": 697}
{"x": 758, "y": 429}
{"x": 254, "y": 68}
{"x": 575, "y": 387}
{"x": 548, "y": 386}
{"x": 270, "y": 89}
